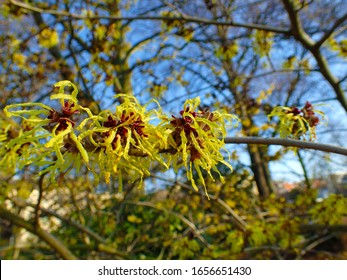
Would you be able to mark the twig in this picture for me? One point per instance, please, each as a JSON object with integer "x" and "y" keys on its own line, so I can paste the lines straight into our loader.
{"x": 315, "y": 244}
{"x": 179, "y": 216}
{"x": 240, "y": 223}
{"x": 39, "y": 199}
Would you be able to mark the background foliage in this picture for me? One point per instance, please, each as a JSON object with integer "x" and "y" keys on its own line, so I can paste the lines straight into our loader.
{"x": 240, "y": 57}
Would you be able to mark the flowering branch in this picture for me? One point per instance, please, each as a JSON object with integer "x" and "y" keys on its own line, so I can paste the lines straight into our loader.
{"x": 127, "y": 142}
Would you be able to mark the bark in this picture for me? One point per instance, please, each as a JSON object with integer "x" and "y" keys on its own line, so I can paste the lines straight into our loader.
{"x": 260, "y": 169}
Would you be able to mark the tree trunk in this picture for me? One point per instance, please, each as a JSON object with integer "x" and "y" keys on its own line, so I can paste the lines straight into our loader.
{"x": 261, "y": 171}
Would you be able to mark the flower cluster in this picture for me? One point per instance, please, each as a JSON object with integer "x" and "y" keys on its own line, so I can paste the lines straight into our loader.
{"x": 62, "y": 118}
{"x": 114, "y": 143}
{"x": 123, "y": 141}
{"x": 197, "y": 138}
{"x": 297, "y": 123}
{"x": 309, "y": 115}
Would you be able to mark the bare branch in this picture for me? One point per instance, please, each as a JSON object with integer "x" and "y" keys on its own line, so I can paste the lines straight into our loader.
{"x": 287, "y": 143}
{"x": 80, "y": 227}
{"x": 190, "y": 224}
{"x": 102, "y": 246}
{"x": 179, "y": 18}
{"x": 315, "y": 244}
{"x": 240, "y": 223}
{"x": 331, "y": 30}
{"x": 299, "y": 33}
{"x": 51, "y": 240}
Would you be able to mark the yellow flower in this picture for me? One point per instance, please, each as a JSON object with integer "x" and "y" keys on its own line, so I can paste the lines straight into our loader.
{"x": 48, "y": 38}
{"x": 197, "y": 139}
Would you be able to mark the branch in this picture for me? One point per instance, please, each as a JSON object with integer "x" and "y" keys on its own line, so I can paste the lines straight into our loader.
{"x": 296, "y": 27}
{"x": 179, "y": 18}
{"x": 287, "y": 143}
{"x": 300, "y": 35}
{"x": 21, "y": 203}
{"x": 190, "y": 224}
{"x": 263, "y": 141}
{"x": 316, "y": 227}
{"x": 314, "y": 244}
{"x": 331, "y": 30}
{"x": 102, "y": 246}
{"x": 140, "y": 43}
{"x": 239, "y": 222}
{"x": 39, "y": 199}
{"x": 52, "y": 241}
{"x": 281, "y": 71}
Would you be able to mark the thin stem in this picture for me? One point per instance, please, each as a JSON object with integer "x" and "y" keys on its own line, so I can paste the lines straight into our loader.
{"x": 39, "y": 199}
{"x": 307, "y": 179}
